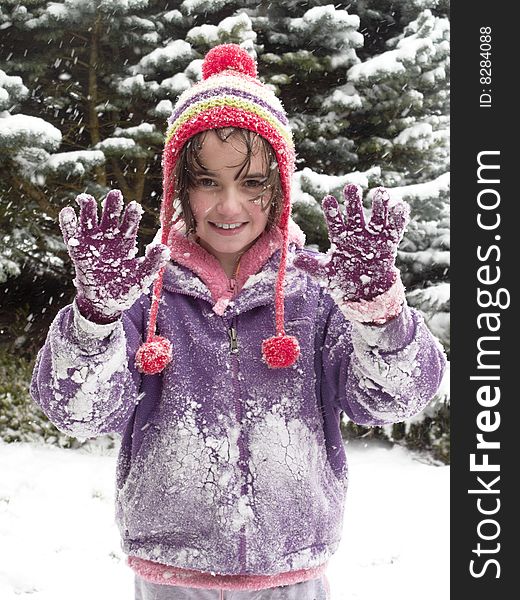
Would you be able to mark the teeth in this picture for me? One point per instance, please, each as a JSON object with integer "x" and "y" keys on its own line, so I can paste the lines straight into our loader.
{"x": 227, "y": 225}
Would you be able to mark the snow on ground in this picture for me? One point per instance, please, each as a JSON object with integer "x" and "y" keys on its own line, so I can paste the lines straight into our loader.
{"x": 58, "y": 539}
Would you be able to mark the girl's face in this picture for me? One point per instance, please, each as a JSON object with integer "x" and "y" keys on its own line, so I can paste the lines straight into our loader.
{"x": 225, "y": 198}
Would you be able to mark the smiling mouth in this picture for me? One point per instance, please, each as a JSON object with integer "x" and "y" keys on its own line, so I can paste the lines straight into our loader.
{"x": 227, "y": 226}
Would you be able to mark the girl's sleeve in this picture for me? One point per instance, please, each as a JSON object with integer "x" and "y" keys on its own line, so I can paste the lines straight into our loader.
{"x": 84, "y": 378}
{"x": 379, "y": 374}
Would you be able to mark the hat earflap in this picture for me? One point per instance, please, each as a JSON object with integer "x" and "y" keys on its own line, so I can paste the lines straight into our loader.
{"x": 157, "y": 352}
{"x": 281, "y": 350}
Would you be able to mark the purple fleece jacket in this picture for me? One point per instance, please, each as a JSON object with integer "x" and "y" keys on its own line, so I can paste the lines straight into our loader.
{"x": 227, "y": 466}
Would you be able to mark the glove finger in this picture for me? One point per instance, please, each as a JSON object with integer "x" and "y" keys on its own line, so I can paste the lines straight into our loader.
{"x": 68, "y": 224}
{"x": 87, "y": 212}
{"x": 311, "y": 265}
{"x": 354, "y": 206}
{"x": 333, "y": 217}
{"x": 131, "y": 219}
{"x": 157, "y": 255}
{"x": 398, "y": 217}
{"x": 379, "y": 210}
{"x": 112, "y": 207}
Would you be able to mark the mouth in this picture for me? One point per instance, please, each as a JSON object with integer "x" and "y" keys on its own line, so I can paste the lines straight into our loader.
{"x": 227, "y": 228}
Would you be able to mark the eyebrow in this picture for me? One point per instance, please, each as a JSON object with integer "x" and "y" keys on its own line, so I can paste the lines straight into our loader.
{"x": 255, "y": 175}
{"x": 215, "y": 173}
{"x": 204, "y": 171}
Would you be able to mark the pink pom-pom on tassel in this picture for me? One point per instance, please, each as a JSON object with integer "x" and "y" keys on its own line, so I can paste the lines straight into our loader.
{"x": 280, "y": 351}
{"x": 153, "y": 355}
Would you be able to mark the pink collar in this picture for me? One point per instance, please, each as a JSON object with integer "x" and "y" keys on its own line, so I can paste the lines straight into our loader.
{"x": 186, "y": 252}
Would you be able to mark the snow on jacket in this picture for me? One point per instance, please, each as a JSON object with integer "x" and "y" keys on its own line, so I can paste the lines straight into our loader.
{"x": 227, "y": 466}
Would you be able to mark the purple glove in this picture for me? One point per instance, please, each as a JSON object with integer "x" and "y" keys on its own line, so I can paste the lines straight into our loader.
{"x": 361, "y": 258}
{"x": 108, "y": 277}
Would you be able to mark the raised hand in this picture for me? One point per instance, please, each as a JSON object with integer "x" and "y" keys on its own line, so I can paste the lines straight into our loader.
{"x": 360, "y": 264}
{"x": 109, "y": 278}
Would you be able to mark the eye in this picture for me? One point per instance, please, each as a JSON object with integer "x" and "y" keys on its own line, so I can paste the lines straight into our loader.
{"x": 204, "y": 182}
{"x": 255, "y": 183}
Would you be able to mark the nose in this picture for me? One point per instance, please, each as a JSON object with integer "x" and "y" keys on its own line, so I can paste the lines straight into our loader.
{"x": 229, "y": 202}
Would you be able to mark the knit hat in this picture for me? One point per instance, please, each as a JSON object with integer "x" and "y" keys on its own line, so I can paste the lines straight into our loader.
{"x": 229, "y": 95}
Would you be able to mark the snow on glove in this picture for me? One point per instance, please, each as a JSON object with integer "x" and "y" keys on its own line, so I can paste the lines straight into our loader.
{"x": 109, "y": 279}
{"x": 360, "y": 265}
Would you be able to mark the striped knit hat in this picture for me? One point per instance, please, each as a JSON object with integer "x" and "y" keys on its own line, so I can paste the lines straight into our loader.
{"x": 229, "y": 95}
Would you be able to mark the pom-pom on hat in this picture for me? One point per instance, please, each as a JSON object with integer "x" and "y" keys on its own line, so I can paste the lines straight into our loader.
{"x": 226, "y": 57}
{"x": 229, "y": 95}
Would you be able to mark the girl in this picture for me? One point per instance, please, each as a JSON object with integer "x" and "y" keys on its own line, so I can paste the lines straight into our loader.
{"x": 232, "y": 475}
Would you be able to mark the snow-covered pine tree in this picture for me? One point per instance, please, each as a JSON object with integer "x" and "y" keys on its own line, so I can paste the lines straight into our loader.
{"x": 55, "y": 47}
{"x": 23, "y": 141}
{"x": 307, "y": 49}
{"x": 403, "y": 125}
{"x": 403, "y": 121}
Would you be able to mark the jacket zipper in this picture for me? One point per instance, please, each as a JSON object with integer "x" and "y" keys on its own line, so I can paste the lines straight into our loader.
{"x": 242, "y": 442}
{"x": 233, "y": 340}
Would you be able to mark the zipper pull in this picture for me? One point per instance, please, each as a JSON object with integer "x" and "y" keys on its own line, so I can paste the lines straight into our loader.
{"x": 233, "y": 340}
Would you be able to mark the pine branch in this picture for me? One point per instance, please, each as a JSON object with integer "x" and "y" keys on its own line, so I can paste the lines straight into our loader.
{"x": 121, "y": 180}
{"x": 74, "y": 34}
{"x": 35, "y": 194}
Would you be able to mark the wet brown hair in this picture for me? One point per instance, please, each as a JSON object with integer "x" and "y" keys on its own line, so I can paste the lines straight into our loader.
{"x": 189, "y": 164}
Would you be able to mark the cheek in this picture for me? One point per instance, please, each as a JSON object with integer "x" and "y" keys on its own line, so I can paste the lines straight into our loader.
{"x": 199, "y": 206}
{"x": 260, "y": 217}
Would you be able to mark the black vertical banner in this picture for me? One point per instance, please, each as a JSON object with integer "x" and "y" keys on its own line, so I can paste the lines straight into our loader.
{"x": 485, "y": 157}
